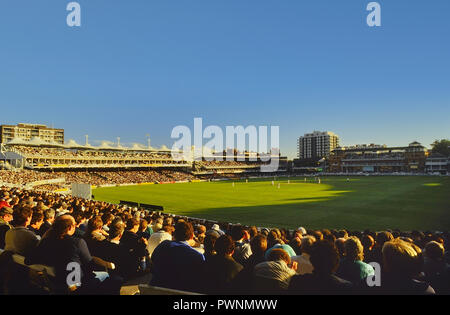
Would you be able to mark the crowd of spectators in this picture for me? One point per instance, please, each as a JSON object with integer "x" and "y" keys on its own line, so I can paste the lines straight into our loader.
{"x": 213, "y": 258}
{"x": 225, "y": 163}
{"x": 40, "y": 151}
{"x": 97, "y": 178}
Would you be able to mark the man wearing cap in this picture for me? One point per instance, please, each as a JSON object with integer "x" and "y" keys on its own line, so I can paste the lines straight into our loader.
{"x": 216, "y": 228}
{"x": 5, "y": 218}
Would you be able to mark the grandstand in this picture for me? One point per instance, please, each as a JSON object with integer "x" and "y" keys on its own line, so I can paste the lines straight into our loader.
{"x": 378, "y": 159}
{"x": 31, "y": 169}
{"x": 38, "y": 164}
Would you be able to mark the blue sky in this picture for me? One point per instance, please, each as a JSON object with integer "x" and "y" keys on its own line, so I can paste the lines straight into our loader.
{"x": 145, "y": 66}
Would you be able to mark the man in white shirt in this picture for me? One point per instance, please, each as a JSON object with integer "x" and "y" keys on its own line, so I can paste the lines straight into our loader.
{"x": 157, "y": 238}
{"x": 304, "y": 264}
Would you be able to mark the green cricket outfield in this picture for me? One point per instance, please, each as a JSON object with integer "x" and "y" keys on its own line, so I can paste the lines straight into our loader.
{"x": 364, "y": 202}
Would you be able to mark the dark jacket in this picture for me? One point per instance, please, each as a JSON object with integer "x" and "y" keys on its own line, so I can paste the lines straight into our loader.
{"x": 319, "y": 284}
{"x": 220, "y": 275}
{"x": 135, "y": 249}
{"x": 178, "y": 266}
{"x": 44, "y": 228}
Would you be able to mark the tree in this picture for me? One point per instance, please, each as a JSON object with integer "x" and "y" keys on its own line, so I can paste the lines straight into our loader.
{"x": 442, "y": 147}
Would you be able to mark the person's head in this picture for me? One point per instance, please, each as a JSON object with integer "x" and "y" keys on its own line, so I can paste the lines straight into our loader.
{"x": 434, "y": 251}
{"x": 324, "y": 257}
{"x": 166, "y": 221}
{"x": 132, "y": 225}
{"x": 107, "y": 218}
{"x": 354, "y": 251}
{"x": 342, "y": 234}
{"x": 95, "y": 224}
{"x": 183, "y": 231}
{"x": 49, "y": 215}
{"x": 307, "y": 242}
{"x": 368, "y": 242}
{"x": 296, "y": 243}
{"x": 143, "y": 225}
{"x": 272, "y": 239}
{"x": 253, "y": 231}
{"x": 22, "y": 216}
{"x": 79, "y": 217}
{"x": 201, "y": 230}
{"x": 168, "y": 229}
{"x": 210, "y": 241}
{"x": 383, "y": 237}
{"x": 317, "y": 234}
{"x": 224, "y": 246}
{"x": 237, "y": 232}
{"x": 116, "y": 230}
{"x": 37, "y": 219}
{"x": 278, "y": 254}
{"x": 6, "y": 214}
{"x": 62, "y": 226}
{"x": 258, "y": 244}
{"x": 401, "y": 258}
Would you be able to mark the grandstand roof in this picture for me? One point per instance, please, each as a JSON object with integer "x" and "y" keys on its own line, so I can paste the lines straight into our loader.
{"x": 18, "y": 141}
{"x": 72, "y": 144}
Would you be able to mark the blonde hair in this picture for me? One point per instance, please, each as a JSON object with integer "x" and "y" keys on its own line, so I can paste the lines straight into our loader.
{"x": 354, "y": 250}
{"x": 401, "y": 257}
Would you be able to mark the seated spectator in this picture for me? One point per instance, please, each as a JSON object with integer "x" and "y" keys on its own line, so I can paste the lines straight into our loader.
{"x": 328, "y": 236}
{"x": 36, "y": 221}
{"x": 107, "y": 219}
{"x": 209, "y": 243}
{"x": 352, "y": 267}
{"x": 222, "y": 269}
{"x": 242, "y": 248}
{"x": 325, "y": 260}
{"x": 6, "y": 216}
{"x": 437, "y": 271}
{"x": 157, "y": 238}
{"x": 274, "y": 275}
{"x": 304, "y": 265}
{"x": 258, "y": 245}
{"x": 216, "y": 228}
{"x": 110, "y": 250}
{"x": 201, "y": 233}
{"x": 58, "y": 239}
{"x": 285, "y": 247}
{"x": 295, "y": 244}
{"x": 20, "y": 240}
{"x": 80, "y": 219}
{"x": 368, "y": 243}
{"x": 135, "y": 246}
{"x": 376, "y": 254}
{"x": 402, "y": 262}
{"x": 142, "y": 232}
{"x": 176, "y": 264}
{"x": 49, "y": 217}
{"x": 340, "y": 246}
{"x": 93, "y": 235}
{"x": 157, "y": 225}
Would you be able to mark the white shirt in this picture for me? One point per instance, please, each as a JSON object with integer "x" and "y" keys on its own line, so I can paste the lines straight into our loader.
{"x": 304, "y": 265}
{"x": 156, "y": 239}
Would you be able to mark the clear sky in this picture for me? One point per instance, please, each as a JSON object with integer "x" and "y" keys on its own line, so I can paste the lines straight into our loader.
{"x": 138, "y": 67}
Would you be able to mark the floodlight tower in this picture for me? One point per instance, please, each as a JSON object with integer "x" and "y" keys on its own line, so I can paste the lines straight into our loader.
{"x": 148, "y": 140}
